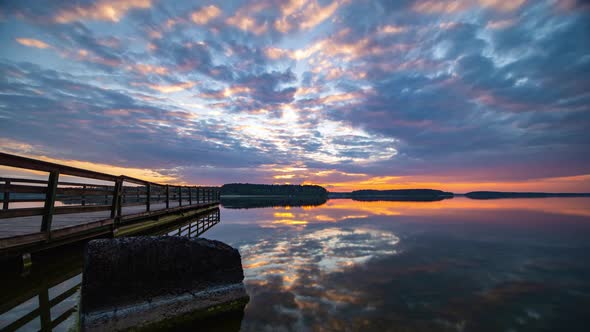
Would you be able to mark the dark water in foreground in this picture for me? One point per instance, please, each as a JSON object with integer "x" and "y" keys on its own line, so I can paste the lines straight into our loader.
{"x": 452, "y": 265}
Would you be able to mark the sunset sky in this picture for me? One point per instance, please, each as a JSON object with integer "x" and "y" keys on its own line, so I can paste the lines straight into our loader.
{"x": 456, "y": 95}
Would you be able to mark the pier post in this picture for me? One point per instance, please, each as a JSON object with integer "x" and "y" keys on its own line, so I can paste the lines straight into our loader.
{"x": 6, "y": 196}
{"x": 190, "y": 195}
{"x": 167, "y": 196}
{"x": 44, "y": 307}
{"x": 198, "y": 198}
{"x": 116, "y": 203}
{"x": 179, "y": 196}
{"x": 148, "y": 199}
{"x": 49, "y": 202}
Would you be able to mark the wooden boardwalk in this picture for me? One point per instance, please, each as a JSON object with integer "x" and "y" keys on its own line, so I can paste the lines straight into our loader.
{"x": 39, "y": 214}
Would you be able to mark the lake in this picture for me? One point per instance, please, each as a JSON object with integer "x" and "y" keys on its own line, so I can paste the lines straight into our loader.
{"x": 452, "y": 265}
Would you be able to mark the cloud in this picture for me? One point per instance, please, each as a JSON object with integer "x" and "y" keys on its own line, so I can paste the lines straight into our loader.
{"x": 32, "y": 42}
{"x": 469, "y": 90}
{"x": 205, "y": 14}
{"x": 104, "y": 10}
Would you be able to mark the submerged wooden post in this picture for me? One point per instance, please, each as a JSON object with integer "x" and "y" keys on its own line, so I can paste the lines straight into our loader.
{"x": 167, "y": 196}
{"x": 148, "y": 199}
{"x": 190, "y": 195}
{"x": 198, "y": 199}
{"x": 6, "y": 198}
{"x": 44, "y": 307}
{"x": 49, "y": 202}
{"x": 83, "y": 195}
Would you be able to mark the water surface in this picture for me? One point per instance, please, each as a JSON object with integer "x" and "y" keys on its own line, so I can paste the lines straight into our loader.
{"x": 451, "y": 265}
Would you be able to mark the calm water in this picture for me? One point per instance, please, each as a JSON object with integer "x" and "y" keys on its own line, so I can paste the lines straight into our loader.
{"x": 452, "y": 265}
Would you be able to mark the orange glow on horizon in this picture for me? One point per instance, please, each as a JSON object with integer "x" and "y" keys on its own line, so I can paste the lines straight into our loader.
{"x": 579, "y": 183}
{"x": 331, "y": 179}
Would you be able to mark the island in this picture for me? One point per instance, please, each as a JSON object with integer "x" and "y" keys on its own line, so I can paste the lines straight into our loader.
{"x": 395, "y": 195}
{"x": 248, "y": 189}
{"x": 246, "y": 196}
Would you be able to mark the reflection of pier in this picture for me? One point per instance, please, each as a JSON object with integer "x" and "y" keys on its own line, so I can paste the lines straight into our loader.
{"x": 39, "y": 214}
{"x": 193, "y": 228}
{"x": 48, "y": 295}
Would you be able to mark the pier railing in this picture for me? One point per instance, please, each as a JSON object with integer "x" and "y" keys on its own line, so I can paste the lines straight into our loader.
{"x": 90, "y": 192}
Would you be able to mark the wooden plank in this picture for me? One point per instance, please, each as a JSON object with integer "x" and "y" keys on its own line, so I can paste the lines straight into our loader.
{"x": 17, "y": 324}
{"x": 15, "y": 188}
{"x": 81, "y": 209}
{"x": 61, "y": 318}
{"x": 82, "y": 191}
{"x": 26, "y": 200}
{"x": 58, "y": 299}
{"x": 26, "y": 212}
{"x": 49, "y": 201}
{"x": 22, "y": 180}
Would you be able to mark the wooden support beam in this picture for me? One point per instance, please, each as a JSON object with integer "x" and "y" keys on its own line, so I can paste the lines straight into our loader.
{"x": 49, "y": 202}
{"x": 190, "y": 195}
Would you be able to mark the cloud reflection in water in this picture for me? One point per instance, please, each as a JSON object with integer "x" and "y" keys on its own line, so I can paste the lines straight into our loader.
{"x": 284, "y": 276}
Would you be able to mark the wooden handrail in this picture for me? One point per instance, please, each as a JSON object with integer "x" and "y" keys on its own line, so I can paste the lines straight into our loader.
{"x": 39, "y": 165}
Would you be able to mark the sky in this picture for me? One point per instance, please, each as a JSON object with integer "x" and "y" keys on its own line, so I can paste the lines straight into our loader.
{"x": 455, "y": 95}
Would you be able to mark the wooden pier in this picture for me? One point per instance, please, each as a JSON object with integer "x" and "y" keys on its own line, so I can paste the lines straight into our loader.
{"x": 38, "y": 214}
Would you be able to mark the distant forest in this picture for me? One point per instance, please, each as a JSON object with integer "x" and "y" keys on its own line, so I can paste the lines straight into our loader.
{"x": 415, "y": 193}
{"x": 401, "y": 195}
{"x": 273, "y": 189}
